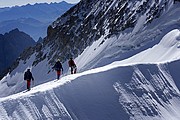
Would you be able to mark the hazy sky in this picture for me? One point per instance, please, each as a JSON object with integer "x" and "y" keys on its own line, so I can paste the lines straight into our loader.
{"x": 9, "y": 3}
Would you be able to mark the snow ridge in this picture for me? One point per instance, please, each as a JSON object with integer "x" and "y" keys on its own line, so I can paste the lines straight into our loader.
{"x": 132, "y": 75}
{"x": 30, "y": 108}
{"x": 137, "y": 92}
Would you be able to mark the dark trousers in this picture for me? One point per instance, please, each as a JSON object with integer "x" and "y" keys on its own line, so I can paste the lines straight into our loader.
{"x": 73, "y": 69}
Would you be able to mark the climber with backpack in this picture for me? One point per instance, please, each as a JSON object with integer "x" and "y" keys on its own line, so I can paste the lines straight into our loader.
{"x": 59, "y": 69}
{"x": 72, "y": 65}
{"x": 28, "y": 77}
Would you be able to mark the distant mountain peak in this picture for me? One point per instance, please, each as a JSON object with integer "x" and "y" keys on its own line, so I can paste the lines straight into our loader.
{"x": 12, "y": 44}
{"x": 16, "y": 30}
{"x": 32, "y": 19}
{"x": 43, "y": 3}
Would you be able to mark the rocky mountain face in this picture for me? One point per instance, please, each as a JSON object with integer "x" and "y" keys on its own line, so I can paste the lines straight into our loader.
{"x": 97, "y": 33}
{"x": 11, "y": 45}
{"x": 89, "y": 20}
{"x": 32, "y": 19}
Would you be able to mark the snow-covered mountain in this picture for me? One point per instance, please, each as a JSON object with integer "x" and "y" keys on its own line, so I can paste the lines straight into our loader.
{"x": 127, "y": 53}
{"x": 122, "y": 20}
{"x": 121, "y": 90}
{"x": 32, "y": 19}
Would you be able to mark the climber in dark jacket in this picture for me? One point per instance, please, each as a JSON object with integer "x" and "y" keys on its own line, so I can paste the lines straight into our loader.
{"x": 72, "y": 65}
{"x": 28, "y": 77}
{"x": 58, "y": 67}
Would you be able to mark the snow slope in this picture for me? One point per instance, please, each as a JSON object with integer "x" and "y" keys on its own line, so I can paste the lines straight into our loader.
{"x": 128, "y": 89}
{"x": 102, "y": 52}
{"x": 130, "y": 76}
{"x": 105, "y": 51}
{"x": 167, "y": 50}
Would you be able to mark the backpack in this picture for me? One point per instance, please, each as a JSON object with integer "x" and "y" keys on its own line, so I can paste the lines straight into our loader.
{"x": 58, "y": 66}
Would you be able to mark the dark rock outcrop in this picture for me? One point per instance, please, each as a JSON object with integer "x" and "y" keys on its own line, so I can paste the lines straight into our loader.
{"x": 11, "y": 45}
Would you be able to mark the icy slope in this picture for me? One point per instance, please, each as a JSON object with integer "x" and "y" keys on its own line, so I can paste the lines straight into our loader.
{"x": 167, "y": 50}
{"x": 102, "y": 51}
{"x": 121, "y": 90}
{"x": 128, "y": 43}
{"x": 140, "y": 92}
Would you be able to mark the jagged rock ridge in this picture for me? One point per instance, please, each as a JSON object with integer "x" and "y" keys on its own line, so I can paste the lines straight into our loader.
{"x": 89, "y": 20}
{"x": 11, "y": 45}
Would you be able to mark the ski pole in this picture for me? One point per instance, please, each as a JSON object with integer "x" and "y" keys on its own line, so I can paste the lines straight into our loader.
{"x": 32, "y": 83}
